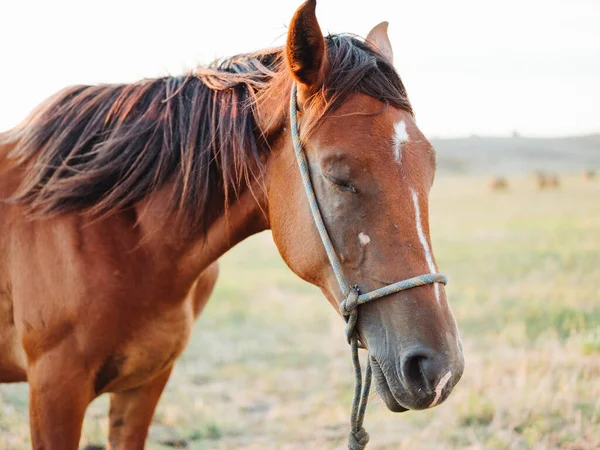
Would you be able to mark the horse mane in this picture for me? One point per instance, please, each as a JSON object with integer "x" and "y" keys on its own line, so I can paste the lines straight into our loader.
{"x": 101, "y": 149}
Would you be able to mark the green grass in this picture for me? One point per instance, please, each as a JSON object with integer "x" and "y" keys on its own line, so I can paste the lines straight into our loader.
{"x": 268, "y": 366}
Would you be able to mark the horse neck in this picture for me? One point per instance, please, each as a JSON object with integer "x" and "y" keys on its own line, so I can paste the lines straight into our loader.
{"x": 249, "y": 213}
{"x": 194, "y": 250}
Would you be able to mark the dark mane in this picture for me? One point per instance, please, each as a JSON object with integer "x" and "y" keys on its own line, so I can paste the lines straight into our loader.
{"x": 101, "y": 149}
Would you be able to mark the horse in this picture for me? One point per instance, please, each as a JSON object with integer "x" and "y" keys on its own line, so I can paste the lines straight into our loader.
{"x": 498, "y": 184}
{"x": 118, "y": 199}
{"x": 546, "y": 180}
{"x": 553, "y": 181}
{"x": 540, "y": 179}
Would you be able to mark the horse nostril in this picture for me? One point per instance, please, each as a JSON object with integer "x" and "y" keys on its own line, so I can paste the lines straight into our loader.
{"x": 420, "y": 369}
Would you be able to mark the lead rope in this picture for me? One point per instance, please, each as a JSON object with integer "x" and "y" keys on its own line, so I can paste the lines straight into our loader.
{"x": 357, "y": 437}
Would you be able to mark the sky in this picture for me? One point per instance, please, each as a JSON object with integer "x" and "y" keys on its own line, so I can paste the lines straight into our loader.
{"x": 470, "y": 66}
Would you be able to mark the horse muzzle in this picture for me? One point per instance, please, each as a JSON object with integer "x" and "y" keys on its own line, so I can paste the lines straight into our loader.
{"x": 418, "y": 379}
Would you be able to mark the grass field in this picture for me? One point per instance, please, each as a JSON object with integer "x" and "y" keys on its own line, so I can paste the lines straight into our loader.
{"x": 268, "y": 366}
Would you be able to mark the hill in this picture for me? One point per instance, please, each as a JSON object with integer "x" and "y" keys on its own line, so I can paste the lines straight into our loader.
{"x": 509, "y": 155}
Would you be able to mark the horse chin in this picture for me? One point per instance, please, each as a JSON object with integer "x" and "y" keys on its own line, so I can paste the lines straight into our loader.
{"x": 383, "y": 389}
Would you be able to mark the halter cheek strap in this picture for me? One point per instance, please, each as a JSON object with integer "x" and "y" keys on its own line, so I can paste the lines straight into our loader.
{"x": 352, "y": 298}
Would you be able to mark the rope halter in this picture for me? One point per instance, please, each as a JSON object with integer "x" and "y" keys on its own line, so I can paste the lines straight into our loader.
{"x": 352, "y": 298}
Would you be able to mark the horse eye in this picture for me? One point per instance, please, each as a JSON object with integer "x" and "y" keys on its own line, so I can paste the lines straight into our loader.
{"x": 341, "y": 184}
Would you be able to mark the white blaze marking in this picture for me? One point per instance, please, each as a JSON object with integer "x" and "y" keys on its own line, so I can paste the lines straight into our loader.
{"x": 440, "y": 387}
{"x": 400, "y": 138}
{"x": 363, "y": 238}
{"x": 424, "y": 242}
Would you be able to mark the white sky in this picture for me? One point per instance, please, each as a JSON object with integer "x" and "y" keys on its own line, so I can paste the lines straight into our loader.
{"x": 470, "y": 66}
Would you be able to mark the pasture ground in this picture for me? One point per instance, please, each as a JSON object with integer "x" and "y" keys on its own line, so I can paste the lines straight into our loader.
{"x": 268, "y": 366}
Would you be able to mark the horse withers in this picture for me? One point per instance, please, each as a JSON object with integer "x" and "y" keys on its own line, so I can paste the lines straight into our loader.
{"x": 118, "y": 199}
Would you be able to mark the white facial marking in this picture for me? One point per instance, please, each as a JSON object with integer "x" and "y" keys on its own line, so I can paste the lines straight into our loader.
{"x": 440, "y": 387}
{"x": 363, "y": 238}
{"x": 424, "y": 243}
{"x": 399, "y": 139}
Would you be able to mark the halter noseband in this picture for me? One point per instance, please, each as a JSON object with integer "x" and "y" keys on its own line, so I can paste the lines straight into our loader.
{"x": 357, "y": 437}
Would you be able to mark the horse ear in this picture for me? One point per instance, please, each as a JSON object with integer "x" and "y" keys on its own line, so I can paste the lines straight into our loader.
{"x": 378, "y": 37}
{"x": 305, "y": 47}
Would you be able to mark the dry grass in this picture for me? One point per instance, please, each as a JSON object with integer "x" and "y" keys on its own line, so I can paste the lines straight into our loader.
{"x": 268, "y": 367}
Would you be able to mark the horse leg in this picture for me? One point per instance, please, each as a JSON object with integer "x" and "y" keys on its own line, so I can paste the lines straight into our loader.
{"x": 131, "y": 413}
{"x": 12, "y": 360}
{"x": 60, "y": 391}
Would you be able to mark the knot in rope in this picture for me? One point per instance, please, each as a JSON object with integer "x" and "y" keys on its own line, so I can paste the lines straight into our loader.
{"x": 348, "y": 308}
{"x": 358, "y": 440}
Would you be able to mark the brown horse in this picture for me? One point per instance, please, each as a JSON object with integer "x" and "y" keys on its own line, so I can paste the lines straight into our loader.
{"x": 118, "y": 199}
{"x": 553, "y": 181}
{"x": 499, "y": 184}
{"x": 546, "y": 180}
